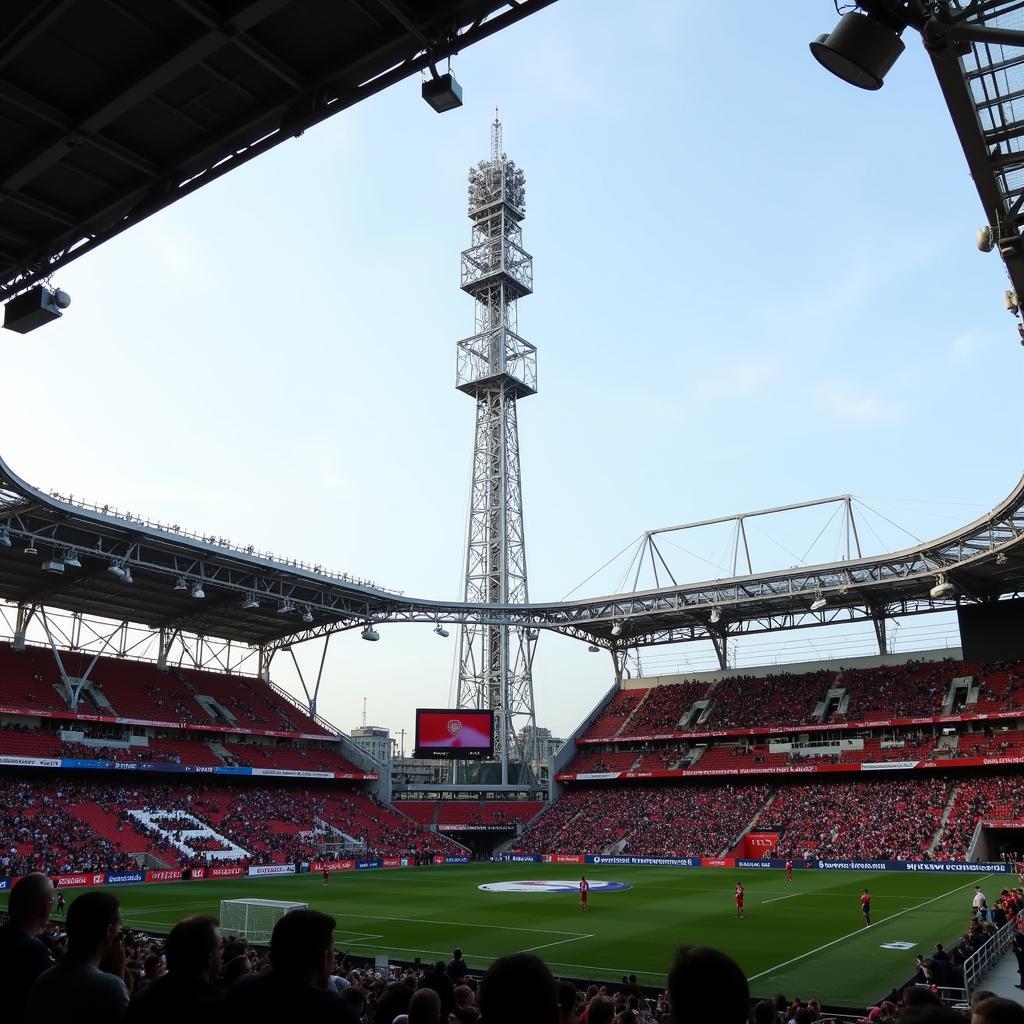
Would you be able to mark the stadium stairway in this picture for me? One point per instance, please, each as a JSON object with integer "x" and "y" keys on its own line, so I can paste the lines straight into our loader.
{"x": 104, "y": 823}
{"x": 940, "y": 832}
{"x": 629, "y": 717}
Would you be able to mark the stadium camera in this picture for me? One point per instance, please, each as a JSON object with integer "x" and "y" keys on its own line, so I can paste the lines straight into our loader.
{"x": 984, "y": 238}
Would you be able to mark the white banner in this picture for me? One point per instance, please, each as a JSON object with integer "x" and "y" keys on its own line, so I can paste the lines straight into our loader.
{"x": 272, "y": 869}
{"x": 287, "y": 772}
{"x": 34, "y": 762}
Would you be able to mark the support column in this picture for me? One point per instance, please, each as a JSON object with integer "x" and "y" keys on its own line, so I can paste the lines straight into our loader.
{"x": 720, "y": 640}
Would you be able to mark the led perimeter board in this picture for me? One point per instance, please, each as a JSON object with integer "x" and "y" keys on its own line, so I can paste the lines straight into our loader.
{"x": 456, "y": 733}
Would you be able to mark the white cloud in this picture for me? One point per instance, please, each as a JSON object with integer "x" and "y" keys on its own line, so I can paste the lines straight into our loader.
{"x": 848, "y": 402}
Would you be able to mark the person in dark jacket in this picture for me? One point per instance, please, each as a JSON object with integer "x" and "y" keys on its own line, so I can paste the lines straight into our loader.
{"x": 295, "y": 988}
{"x": 23, "y": 956}
{"x": 186, "y": 993}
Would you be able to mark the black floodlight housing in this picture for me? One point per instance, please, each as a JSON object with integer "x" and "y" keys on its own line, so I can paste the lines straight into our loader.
{"x": 34, "y": 308}
{"x": 443, "y": 93}
{"x": 859, "y": 50}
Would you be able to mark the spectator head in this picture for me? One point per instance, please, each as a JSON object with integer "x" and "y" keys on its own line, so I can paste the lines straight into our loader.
{"x": 464, "y": 996}
{"x": 94, "y": 925}
{"x": 194, "y": 948}
{"x": 29, "y": 902}
{"x": 518, "y": 987}
{"x": 302, "y": 946}
{"x": 805, "y": 1015}
{"x": 425, "y": 1007}
{"x": 980, "y": 996}
{"x": 601, "y": 1010}
{"x": 456, "y": 953}
{"x": 763, "y": 1013}
{"x": 151, "y": 967}
{"x": 235, "y": 968}
{"x": 393, "y": 1003}
{"x": 919, "y": 996}
{"x": 356, "y": 998}
{"x": 997, "y": 1011}
{"x": 704, "y": 984}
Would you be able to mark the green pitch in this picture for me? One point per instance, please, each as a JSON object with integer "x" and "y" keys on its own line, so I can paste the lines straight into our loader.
{"x": 805, "y": 938}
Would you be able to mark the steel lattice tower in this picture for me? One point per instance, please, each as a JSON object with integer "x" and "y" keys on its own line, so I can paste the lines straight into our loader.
{"x": 497, "y": 367}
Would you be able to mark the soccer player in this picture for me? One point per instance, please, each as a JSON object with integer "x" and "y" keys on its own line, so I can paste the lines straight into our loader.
{"x": 326, "y": 873}
{"x": 60, "y": 902}
{"x": 584, "y": 889}
{"x": 789, "y": 871}
{"x": 865, "y": 907}
{"x": 739, "y": 900}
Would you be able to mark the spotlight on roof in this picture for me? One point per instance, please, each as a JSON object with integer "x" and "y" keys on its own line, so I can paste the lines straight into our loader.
{"x": 180, "y": 585}
{"x": 285, "y": 608}
{"x": 943, "y": 588}
{"x": 441, "y": 631}
{"x": 197, "y": 591}
{"x": 121, "y": 571}
{"x": 716, "y": 614}
{"x": 818, "y": 603}
{"x": 70, "y": 559}
{"x": 53, "y": 565}
{"x": 617, "y": 629}
{"x": 532, "y": 634}
{"x": 593, "y": 649}
{"x": 859, "y": 50}
{"x": 34, "y": 308}
{"x": 369, "y": 633}
{"x": 30, "y": 549}
{"x": 1001, "y": 558}
{"x": 307, "y": 616}
{"x": 442, "y": 92}
{"x": 5, "y": 538}
{"x": 249, "y": 603}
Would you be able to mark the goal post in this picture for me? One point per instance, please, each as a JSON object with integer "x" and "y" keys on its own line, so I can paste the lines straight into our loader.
{"x": 254, "y": 919}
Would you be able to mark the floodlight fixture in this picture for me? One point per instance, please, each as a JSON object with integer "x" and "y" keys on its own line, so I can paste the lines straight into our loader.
{"x": 617, "y": 629}
{"x": 860, "y": 50}
{"x": 180, "y": 585}
{"x": 249, "y": 603}
{"x": 121, "y": 571}
{"x": 34, "y": 308}
{"x": 70, "y": 559}
{"x": 716, "y": 615}
{"x": 593, "y": 649}
{"x": 369, "y": 633}
{"x": 818, "y": 603}
{"x": 285, "y": 608}
{"x": 307, "y": 616}
{"x": 30, "y": 549}
{"x": 1001, "y": 558}
{"x": 532, "y": 634}
{"x": 442, "y": 92}
{"x": 441, "y": 631}
{"x": 5, "y": 538}
{"x": 197, "y": 591}
{"x": 943, "y": 588}
{"x": 53, "y": 565}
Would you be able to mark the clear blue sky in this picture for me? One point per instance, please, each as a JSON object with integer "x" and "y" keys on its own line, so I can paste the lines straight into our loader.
{"x": 754, "y": 285}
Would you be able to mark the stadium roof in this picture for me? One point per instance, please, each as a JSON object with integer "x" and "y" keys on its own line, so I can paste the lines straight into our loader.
{"x": 54, "y": 552}
{"x": 112, "y": 111}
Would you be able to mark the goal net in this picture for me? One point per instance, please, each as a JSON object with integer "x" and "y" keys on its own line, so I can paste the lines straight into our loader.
{"x": 254, "y": 919}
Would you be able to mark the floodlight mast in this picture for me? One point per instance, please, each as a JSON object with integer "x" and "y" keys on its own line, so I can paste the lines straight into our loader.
{"x": 497, "y": 367}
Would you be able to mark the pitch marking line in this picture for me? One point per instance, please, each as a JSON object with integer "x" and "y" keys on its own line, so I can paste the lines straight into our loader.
{"x": 789, "y": 897}
{"x": 456, "y": 924}
{"x": 860, "y": 931}
{"x": 559, "y": 942}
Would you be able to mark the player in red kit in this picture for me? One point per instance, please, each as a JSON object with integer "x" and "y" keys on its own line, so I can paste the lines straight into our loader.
{"x": 865, "y": 908}
{"x": 584, "y": 889}
{"x": 326, "y": 873}
{"x": 789, "y": 871}
{"x": 739, "y": 900}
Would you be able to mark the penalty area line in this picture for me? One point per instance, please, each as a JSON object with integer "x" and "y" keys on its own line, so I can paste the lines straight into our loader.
{"x": 861, "y": 931}
{"x": 789, "y": 896}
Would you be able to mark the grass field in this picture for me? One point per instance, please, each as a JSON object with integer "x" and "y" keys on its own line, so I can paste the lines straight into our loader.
{"x": 804, "y": 938}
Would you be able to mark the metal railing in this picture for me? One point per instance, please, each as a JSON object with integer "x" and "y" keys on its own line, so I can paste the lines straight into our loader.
{"x": 979, "y": 963}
